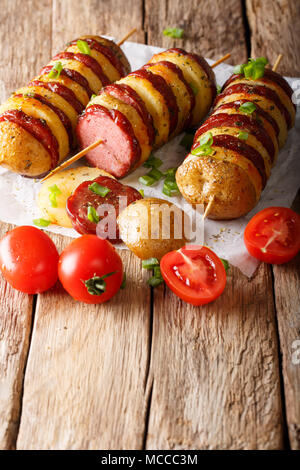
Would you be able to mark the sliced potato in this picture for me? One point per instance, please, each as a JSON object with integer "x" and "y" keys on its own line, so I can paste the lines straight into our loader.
{"x": 66, "y": 181}
{"x": 39, "y": 110}
{"x": 77, "y": 89}
{"x": 27, "y": 156}
{"x": 93, "y": 80}
{"x": 152, "y": 227}
{"x": 108, "y": 68}
{"x": 155, "y": 104}
{"x": 180, "y": 92}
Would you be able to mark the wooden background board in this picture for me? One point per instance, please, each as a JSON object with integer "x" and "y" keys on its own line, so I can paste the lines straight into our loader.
{"x": 146, "y": 370}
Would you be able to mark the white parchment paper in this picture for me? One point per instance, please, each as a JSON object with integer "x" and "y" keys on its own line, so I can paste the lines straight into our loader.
{"x": 18, "y": 195}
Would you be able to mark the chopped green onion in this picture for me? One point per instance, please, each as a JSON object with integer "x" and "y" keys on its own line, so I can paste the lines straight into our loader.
{"x": 153, "y": 162}
{"x": 56, "y": 70}
{"x": 155, "y": 281}
{"x": 205, "y": 144}
{"x": 194, "y": 88}
{"x": 243, "y": 135}
{"x": 170, "y": 173}
{"x": 157, "y": 272}
{"x": 167, "y": 191}
{"x": 29, "y": 95}
{"x": 207, "y": 139}
{"x": 123, "y": 285}
{"x": 238, "y": 69}
{"x": 83, "y": 47}
{"x": 219, "y": 89}
{"x": 187, "y": 141}
{"x": 146, "y": 180}
{"x": 225, "y": 264}
{"x": 247, "y": 107}
{"x": 150, "y": 263}
{"x": 155, "y": 173}
{"x": 171, "y": 184}
{"x": 98, "y": 189}
{"x": 92, "y": 215}
{"x": 54, "y": 191}
{"x": 254, "y": 68}
{"x": 142, "y": 192}
{"x": 176, "y": 33}
{"x": 41, "y": 222}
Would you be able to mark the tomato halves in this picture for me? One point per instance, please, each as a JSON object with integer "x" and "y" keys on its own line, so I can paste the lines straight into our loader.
{"x": 90, "y": 269}
{"x": 28, "y": 259}
{"x": 194, "y": 273}
{"x": 273, "y": 235}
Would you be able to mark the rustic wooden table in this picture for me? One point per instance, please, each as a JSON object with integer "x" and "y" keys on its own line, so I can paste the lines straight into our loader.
{"x": 146, "y": 370}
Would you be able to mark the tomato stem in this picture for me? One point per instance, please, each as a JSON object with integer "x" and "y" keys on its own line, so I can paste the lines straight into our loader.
{"x": 96, "y": 285}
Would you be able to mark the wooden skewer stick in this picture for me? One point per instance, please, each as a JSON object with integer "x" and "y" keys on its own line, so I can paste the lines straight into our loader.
{"x": 73, "y": 159}
{"x": 208, "y": 207}
{"x": 225, "y": 57}
{"x": 277, "y": 62}
{"x": 127, "y": 36}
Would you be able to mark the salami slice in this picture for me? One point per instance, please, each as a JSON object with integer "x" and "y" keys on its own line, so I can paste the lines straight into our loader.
{"x": 91, "y": 212}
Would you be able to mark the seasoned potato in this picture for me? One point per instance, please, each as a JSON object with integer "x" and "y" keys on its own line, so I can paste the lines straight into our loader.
{"x": 66, "y": 181}
{"x": 233, "y": 180}
{"x": 152, "y": 227}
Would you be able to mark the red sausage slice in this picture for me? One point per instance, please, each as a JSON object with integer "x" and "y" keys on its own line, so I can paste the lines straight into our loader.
{"x": 120, "y": 149}
{"x": 83, "y": 197}
{"x": 128, "y": 95}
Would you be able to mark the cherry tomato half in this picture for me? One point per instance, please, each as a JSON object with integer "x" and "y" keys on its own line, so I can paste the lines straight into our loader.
{"x": 194, "y": 273}
{"x": 28, "y": 259}
{"x": 90, "y": 269}
{"x": 273, "y": 235}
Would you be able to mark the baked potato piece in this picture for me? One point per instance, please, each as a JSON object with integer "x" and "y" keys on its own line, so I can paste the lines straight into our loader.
{"x": 27, "y": 156}
{"x": 66, "y": 182}
{"x": 138, "y": 126}
{"x": 231, "y": 179}
{"x": 108, "y": 69}
{"x": 155, "y": 105}
{"x": 152, "y": 227}
{"x": 266, "y": 104}
{"x": 54, "y": 99}
{"x": 179, "y": 89}
{"x": 36, "y": 109}
{"x": 195, "y": 76}
{"x": 93, "y": 81}
{"x": 77, "y": 89}
{"x": 115, "y": 48}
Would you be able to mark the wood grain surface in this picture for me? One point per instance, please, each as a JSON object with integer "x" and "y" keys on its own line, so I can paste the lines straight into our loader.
{"x": 275, "y": 29}
{"x": 146, "y": 370}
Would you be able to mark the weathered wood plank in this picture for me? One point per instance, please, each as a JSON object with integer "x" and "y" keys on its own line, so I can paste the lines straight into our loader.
{"x": 85, "y": 384}
{"x": 211, "y": 28}
{"x": 282, "y": 30}
{"x": 72, "y": 19}
{"x": 215, "y": 370}
{"x": 86, "y": 374}
{"x": 25, "y": 48}
{"x": 287, "y": 298}
{"x": 15, "y": 328}
{"x": 275, "y": 27}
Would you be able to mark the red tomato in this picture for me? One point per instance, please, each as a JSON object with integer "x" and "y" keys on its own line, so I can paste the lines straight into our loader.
{"x": 194, "y": 273}
{"x": 273, "y": 235}
{"x": 28, "y": 259}
{"x": 90, "y": 269}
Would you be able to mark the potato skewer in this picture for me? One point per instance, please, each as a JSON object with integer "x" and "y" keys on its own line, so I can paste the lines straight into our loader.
{"x": 236, "y": 147}
{"x": 99, "y": 141}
